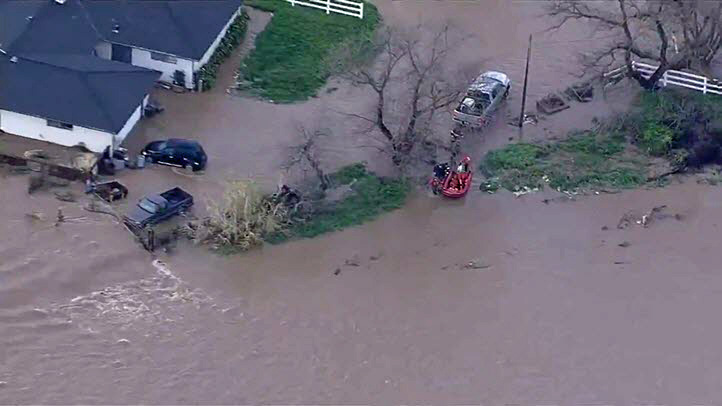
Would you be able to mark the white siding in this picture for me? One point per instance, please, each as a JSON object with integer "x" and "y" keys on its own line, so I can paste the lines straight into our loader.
{"x": 134, "y": 118}
{"x": 217, "y": 41}
{"x": 141, "y": 57}
{"x": 37, "y": 128}
{"x": 104, "y": 50}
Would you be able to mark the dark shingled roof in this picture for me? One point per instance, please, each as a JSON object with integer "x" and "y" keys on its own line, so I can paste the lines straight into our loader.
{"x": 56, "y": 74}
{"x": 185, "y": 28}
{"x": 14, "y": 18}
{"x": 49, "y": 28}
{"x": 81, "y": 90}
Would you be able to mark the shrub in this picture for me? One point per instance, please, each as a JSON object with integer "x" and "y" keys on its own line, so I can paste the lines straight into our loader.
{"x": 656, "y": 139}
{"x": 241, "y": 220}
{"x": 234, "y": 36}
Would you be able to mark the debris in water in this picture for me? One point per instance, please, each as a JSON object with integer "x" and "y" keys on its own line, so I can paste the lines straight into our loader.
{"x": 605, "y": 228}
{"x": 123, "y": 341}
{"x": 337, "y": 271}
{"x": 476, "y": 264}
{"x": 353, "y": 261}
{"x": 65, "y": 196}
{"x": 620, "y": 262}
{"x": 552, "y": 103}
{"x": 624, "y": 244}
{"x": 525, "y": 190}
{"x": 36, "y": 215}
{"x": 3, "y": 384}
{"x": 626, "y": 220}
{"x": 61, "y": 217}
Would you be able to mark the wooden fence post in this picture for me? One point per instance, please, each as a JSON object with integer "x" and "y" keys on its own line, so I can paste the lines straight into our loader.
{"x": 328, "y": 6}
{"x": 705, "y": 86}
{"x": 361, "y": 16}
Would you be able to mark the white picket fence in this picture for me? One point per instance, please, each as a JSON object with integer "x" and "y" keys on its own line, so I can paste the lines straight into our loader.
{"x": 671, "y": 77}
{"x": 346, "y": 7}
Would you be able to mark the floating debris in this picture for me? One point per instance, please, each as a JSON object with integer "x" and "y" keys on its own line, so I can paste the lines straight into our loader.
{"x": 525, "y": 191}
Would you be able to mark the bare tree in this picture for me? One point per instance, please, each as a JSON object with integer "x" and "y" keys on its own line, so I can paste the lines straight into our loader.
{"x": 675, "y": 34}
{"x": 411, "y": 87}
{"x": 306, "y": 154}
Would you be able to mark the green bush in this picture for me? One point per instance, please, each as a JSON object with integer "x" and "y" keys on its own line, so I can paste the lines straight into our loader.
{"x": 234, "y": 36}
{"x": 348, "y": 174}
{"x": 656, "y": 139}
{"x": 291, "y": 59}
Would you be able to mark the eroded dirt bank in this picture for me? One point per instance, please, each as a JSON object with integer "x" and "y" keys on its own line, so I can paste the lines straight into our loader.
{"x": 493, "y": 299}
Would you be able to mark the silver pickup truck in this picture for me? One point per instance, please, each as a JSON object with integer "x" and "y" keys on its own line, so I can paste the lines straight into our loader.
{"x": 482, "y": 98}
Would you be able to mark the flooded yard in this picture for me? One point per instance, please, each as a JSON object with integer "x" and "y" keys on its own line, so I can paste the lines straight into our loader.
{"x": 492, "y": 299}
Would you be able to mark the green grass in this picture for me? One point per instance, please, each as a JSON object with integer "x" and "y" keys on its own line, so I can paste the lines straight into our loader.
{"x": 581, "y": 161}
{"x": 370, "y": 197}
{"x": 290, "y": 60}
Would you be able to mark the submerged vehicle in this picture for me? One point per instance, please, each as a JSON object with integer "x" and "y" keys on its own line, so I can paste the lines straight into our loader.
{"x": 482, "y": 98}
{"x": 154, "y": 209}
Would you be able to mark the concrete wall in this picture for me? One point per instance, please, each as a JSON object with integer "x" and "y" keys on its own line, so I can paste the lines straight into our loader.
{"x": 141, "y": 57}
{"x": 104, "y": 50}
{"x": 37, "y": 128}
{"x": 217, "y": 41}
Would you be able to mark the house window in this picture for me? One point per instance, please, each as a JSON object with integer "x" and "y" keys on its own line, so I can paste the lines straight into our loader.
{"x": 58, "y": 124}
{"x": 163, "y": 57}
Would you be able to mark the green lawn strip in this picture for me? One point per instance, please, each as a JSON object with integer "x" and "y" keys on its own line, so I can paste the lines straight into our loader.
{"x": 370, "y": 197}
{"x": 291, "y": 59}
{"x": 581, "y": 161}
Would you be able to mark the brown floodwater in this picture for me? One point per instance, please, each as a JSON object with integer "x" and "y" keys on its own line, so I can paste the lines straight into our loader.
{"x": 493, "y": 299}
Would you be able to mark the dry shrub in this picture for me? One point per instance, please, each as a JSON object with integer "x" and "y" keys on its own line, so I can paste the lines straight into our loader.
{"x": 241, "y": 219}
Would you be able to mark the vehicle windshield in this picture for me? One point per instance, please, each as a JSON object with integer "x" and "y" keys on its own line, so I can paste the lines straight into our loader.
{"x": 148, "y": 206}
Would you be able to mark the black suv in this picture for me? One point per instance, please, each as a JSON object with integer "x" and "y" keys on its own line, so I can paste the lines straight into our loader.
{"x": 176, "y": 152}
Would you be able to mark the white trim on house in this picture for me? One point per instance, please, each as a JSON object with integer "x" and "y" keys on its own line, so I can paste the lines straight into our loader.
{"x": 214, "y": 44}
{"x": 96, "y": 140}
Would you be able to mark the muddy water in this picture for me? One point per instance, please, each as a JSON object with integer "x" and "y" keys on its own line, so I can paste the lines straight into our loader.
{"x": 551, "y": 309}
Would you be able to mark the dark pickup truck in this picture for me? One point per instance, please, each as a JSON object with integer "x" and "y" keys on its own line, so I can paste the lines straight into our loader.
{"x": 154, "y": 209}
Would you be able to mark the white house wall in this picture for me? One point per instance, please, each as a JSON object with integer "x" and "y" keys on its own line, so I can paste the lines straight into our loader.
{"x": 217, "y": 41}
{"x": 132, "y": 120}
{"x": 37, "y": 128}
{"x": 104, "y": 50}
{"x": 141, "y": 57}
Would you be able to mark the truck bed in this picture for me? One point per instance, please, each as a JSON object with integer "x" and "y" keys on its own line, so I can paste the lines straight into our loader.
{"x": 175, "y": 196}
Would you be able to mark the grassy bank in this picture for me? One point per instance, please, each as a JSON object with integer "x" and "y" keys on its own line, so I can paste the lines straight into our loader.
{"x": 582, "y": 161}
{"x": 369, "y": 196}
{"x": 289, "y": 62}
{"x": 683, "y": 129}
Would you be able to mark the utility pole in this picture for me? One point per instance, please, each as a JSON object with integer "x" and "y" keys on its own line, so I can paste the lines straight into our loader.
{"x": 526, "y": 80}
